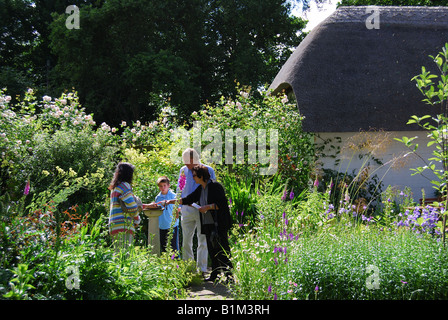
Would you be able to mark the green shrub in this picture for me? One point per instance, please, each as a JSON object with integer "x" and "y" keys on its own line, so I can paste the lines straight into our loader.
{"x": 267, "y": 112}
{"x": 42, "y": 139}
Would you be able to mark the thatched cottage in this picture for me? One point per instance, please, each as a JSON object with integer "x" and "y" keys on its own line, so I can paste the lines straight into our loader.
{"x": 352, "y": 74}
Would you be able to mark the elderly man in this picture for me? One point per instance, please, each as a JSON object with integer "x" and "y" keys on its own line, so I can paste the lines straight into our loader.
{"x": 190, "y": 216}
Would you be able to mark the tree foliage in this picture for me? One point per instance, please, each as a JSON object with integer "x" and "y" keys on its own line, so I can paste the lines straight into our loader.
{"x": 126, "y": 54}
{"x": 191, "y": 51}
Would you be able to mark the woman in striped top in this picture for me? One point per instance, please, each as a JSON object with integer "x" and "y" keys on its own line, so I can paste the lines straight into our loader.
{"x": 122, "y": 224}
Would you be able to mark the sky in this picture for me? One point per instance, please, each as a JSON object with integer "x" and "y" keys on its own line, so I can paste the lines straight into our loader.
{"x": 316, "y": 15}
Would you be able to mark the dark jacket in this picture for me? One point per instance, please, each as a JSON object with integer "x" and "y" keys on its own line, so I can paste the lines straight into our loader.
{"x": 216, "y": 195}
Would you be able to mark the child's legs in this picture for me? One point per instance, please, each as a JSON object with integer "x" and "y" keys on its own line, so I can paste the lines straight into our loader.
{"x": 175, "y": 239}
{"x": 163, "y": 234}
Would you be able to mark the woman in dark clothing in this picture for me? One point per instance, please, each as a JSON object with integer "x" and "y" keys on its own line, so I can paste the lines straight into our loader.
{"x": 215, "y": 218}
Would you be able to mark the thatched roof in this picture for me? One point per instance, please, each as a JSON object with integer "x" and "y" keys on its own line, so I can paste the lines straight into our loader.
{"x": 347, "y": 77}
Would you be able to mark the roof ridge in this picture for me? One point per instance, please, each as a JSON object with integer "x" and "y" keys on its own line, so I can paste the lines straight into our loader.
{"x": 392, "y": 14}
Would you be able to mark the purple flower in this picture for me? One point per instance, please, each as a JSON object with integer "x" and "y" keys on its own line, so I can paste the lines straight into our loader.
{"x": 316, "y": 289}
{"x": 291, "y": 195}
{"x": 182, "y": 180}
{"x": 284, "y": 195}
{"x": 27, "y": 188}
{"x": 270, "y": 289}
{"x": 316, "y": 183}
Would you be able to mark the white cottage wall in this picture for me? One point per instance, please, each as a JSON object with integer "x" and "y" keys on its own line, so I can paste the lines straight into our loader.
{"x": 394, "y": 171}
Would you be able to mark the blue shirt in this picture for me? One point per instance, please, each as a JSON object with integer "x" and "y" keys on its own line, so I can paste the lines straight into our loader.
{"x": 190, "y": 185}
{"x": 166, "y": 217}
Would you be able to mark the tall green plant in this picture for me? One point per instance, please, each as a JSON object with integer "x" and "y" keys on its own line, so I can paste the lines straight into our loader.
{"x": 436, "y": 95}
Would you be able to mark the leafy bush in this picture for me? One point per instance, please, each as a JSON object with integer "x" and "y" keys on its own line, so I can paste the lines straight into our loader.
{"x": 61, "y": 256}
{"x": 248, "y": 111}
{"x": 341, "y": 263}
{"x": 44, "y": 140}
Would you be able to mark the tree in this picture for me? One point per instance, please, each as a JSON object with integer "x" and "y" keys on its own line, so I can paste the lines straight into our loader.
{"x": 128, "y": 53}
{"x": 25, "y": 57}
{"x": 16, "y": 37}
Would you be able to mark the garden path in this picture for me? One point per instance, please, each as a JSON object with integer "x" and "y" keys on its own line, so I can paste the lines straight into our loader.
{"x": 208, "y": 291}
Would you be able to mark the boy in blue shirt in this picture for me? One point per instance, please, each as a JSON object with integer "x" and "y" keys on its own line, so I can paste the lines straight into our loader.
{"x": 166, "y": 218}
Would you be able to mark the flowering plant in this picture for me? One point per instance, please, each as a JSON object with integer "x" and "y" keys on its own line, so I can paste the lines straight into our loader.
{"x": 436, "y": 95}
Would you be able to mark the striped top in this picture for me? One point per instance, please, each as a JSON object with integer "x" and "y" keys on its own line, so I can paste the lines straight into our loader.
{"x": 118, "y": 220}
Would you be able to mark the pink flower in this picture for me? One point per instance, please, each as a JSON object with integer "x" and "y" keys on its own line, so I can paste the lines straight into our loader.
{"x": 181, "y": 181}
{"x": 27, "y": 188}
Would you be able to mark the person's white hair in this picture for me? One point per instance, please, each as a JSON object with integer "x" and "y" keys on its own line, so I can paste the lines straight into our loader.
{"x": 189, "y": 154}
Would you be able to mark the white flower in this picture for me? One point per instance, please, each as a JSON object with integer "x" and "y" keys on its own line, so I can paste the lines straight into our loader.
{"x": 8, "y": 98}
{"x": 254, "y": 114}
{"x": 244, "y": 94}
{"x": 123, "y": 123}
{"x": 285, "y": 99}
{"x": 239, "y": 106}
{"x": 30, "y": 91}
{"x": 46, "y": 98}
{"x": 63, "y": 101}
{"x": 138, "y": 123}
{"x": 105, "y": 126}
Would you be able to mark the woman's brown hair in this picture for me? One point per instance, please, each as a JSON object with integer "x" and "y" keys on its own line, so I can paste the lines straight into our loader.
{"x": 124, "y": 172}
{"x": 201, "y": 171}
